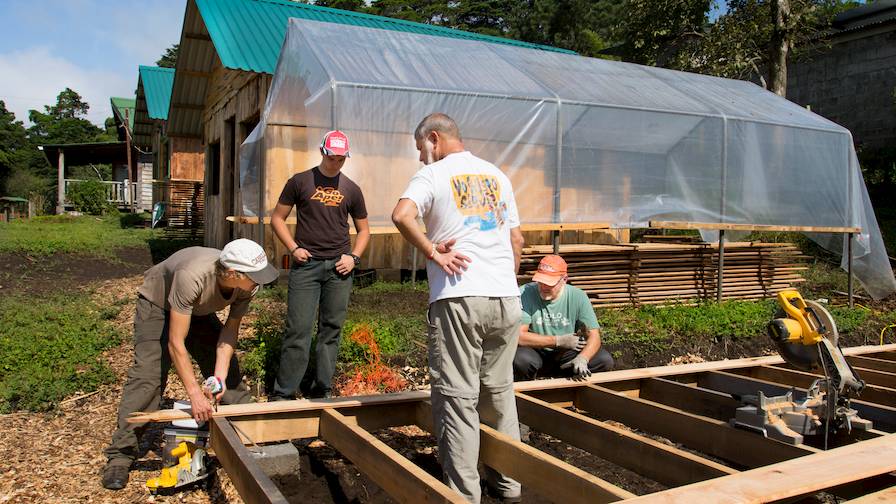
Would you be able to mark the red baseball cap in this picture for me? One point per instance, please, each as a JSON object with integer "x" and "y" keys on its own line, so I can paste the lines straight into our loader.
{"x": 550, "y": 270}
{"x": 335, "y": 143}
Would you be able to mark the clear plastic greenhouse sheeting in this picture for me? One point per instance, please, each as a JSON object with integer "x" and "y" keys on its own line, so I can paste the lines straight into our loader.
{"x": 582, "y": 139}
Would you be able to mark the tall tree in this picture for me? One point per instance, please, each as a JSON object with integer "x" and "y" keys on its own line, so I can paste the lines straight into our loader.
{"x": 169, "y": 57}
{"x": 584, "y": 26}
{"x": 13, "y": 141}
{"x": 661, "y": 32}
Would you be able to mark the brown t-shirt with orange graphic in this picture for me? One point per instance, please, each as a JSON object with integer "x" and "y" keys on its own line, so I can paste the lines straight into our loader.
{"x": 323, "y": 205}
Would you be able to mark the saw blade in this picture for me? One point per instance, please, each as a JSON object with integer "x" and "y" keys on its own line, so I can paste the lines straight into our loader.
{"x": 805, "y": 357}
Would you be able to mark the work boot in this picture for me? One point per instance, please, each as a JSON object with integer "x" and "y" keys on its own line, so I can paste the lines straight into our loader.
{"x": 115, "y": 474}
{"x": 499, "y": 496}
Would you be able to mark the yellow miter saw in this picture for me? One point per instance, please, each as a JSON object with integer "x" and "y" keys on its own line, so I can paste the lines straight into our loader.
{"x": 807, "y": 338}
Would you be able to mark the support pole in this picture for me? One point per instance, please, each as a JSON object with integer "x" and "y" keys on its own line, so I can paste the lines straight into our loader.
{"x": 557, "y": 178}
{"x": 720, "y": 274}
{"x": 60, "y": 181}
{"x": 849, "y": 268}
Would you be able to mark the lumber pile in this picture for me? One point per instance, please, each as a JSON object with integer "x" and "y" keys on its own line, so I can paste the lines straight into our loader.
{"x": 184, "y": 206}
{"x": 667, "y": 273}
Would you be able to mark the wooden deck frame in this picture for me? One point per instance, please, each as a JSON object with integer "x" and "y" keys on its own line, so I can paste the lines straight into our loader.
{"x": 688, "y": 404}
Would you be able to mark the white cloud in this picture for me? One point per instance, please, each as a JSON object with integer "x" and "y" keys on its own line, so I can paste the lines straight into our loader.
{"x": 33, "y": 77}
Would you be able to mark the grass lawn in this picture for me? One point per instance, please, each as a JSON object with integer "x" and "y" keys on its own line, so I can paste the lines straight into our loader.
{"x": 98, "y": 236}
{"x": 50, "y": 348}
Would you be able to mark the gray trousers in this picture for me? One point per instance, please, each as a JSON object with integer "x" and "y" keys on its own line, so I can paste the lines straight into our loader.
{"x": 471, "y": 346}
{"x": 315, "y": 288}
{"x": 148, "y": 375}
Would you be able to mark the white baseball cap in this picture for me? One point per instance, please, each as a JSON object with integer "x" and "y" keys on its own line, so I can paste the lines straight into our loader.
{"x": 248, "y": 257}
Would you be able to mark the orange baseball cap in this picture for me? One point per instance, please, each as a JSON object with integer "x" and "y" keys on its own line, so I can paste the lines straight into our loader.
{"x": 550, "y": 270}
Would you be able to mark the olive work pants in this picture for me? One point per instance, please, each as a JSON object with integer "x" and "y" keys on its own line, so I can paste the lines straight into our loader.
{"x": 148, "y": 375}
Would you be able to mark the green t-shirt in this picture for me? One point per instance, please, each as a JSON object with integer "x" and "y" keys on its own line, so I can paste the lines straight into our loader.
{"x": 557, "y": 317}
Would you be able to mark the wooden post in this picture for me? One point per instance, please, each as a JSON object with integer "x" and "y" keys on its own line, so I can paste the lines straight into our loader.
{"x": 849, "y": 268}
{"x": 720, "y": 275}
{"x": 132, "y": 172}
{"x": 60, "y": 189}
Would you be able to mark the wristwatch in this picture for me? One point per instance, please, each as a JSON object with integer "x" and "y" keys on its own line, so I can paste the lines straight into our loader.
{"x": 356, "y": 258}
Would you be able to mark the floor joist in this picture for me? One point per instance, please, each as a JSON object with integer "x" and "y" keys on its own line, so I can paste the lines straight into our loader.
{"x": 543, "y": 473}
{"x": 689, "y": 404}
{"x": 706, "y": 435}
{"x": 652, "y": 459}
{"x": 793, "y": 478}
{"x": 396, "y": 475}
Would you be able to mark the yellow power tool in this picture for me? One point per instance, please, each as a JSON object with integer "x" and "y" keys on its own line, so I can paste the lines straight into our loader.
{"x": 807, "y": 338}
{"x": 190, "y": 468}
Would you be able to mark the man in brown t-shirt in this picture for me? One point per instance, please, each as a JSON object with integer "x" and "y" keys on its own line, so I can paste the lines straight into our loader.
{"x": 175, "y": 320}
{"x": 320, "y": 278}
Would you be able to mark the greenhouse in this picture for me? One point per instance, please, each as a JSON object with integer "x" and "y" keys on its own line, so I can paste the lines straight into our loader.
{"x": 582, "y": 139}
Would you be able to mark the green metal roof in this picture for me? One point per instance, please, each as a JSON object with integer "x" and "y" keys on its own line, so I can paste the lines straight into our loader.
{"x": 157, "y": 84}
{"x": 122, "y": 105}
{"x": 248, "y": 34}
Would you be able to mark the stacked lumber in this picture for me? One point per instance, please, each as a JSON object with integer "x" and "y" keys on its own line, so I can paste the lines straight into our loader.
{"x": 184, "y": 206}
{"x": 670, "y": 273}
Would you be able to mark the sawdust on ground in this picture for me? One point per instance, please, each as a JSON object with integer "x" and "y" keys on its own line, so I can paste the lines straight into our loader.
{"x": 58, "y": 457}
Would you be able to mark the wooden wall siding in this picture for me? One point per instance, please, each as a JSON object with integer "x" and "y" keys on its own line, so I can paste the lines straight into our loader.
{"x": 187, "y": 159}
{"x": 239, "y": 97}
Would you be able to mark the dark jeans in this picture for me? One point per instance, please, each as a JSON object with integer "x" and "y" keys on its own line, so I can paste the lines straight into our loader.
{"x": 148, "y": 374}
{"x": 529, "y": 363}
{"x": 315, "y": 288}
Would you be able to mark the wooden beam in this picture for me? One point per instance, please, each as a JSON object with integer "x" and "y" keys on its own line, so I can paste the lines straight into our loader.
{"x": 250, "y": 481}
{"x": 652, "y": 459}
{"x": 700, "y": 401}
{"x": 268, "y": 427}
{"x": 396, "y": 475}
{"x": 873, "y": 363}
{"x": 181, "y": 134}
{"x": 707, "y": 435}
{"x": 872, "y": 393}
{"x": 876, "y": 377}
{"x": 751, "y": 227}
{"x": 535, "y": 385}
{"x": 793, "y": 478}
{"x": 883, "y": 417}
{"x": 545, "y": 475}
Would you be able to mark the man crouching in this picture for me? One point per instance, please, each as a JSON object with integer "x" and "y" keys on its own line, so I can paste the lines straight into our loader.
{"x": 175, "y": 319}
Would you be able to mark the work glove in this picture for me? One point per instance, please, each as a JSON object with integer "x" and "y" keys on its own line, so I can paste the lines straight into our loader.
{"x": 569, "y": 342}
{"x": 579, "y": 367}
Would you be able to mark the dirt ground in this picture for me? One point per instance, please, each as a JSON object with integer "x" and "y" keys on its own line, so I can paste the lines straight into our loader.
{"x": 57, "y": 457}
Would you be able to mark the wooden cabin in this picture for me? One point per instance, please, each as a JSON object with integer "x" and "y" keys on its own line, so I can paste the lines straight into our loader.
{"x": 178, "y": 159}
{"x": 228, "y": 54}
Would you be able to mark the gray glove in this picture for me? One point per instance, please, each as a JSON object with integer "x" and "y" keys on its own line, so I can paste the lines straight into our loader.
{"x": 579, "y": 367}
{"x": 569, "y": 342}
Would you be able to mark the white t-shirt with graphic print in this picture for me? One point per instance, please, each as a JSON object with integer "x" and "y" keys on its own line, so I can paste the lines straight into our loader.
{"x": 470, "y": 200}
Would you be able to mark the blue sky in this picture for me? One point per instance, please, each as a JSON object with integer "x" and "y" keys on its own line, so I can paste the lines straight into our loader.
{"x": 92, "y": 46}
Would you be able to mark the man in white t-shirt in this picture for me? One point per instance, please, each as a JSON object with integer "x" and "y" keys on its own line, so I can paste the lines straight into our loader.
{"x": 473, "y": 246}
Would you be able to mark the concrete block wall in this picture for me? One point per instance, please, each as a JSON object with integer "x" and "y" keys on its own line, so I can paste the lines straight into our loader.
{"x": 852, "y": 83}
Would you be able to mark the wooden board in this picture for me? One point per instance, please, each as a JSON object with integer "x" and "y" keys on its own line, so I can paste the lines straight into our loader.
{"x": 398, "y": 476}
{"x": 418, "y": 395}
{"x": 250, "y": 481}
{"x": 707, "y": 435}
{"x": 793, "y": 478}
{"x": 652, "y": 459}
{"x": 751, "y": 227}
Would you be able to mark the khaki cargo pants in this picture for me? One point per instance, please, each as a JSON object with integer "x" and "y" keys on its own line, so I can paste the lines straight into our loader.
{"x": 148, "y": 374}
{"x": 472, "y": 341}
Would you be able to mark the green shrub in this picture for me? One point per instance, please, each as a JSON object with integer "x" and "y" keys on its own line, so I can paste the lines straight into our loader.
{"x": 50, "y": 349}
{"x": 129, "y": 220}
{"x": 88, "y": 196}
